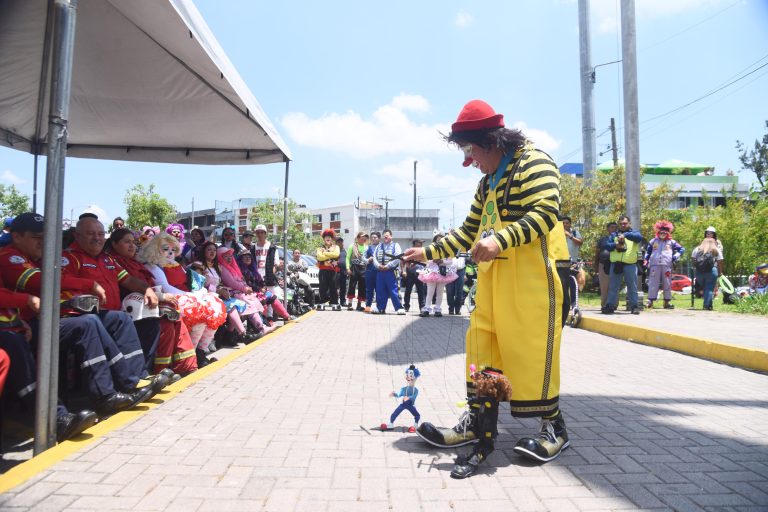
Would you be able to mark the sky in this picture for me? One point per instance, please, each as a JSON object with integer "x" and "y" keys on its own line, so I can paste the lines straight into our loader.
{"x": 361, "y": 90}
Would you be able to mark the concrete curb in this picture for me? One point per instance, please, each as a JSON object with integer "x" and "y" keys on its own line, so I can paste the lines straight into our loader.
{"x": 743, "y": 357}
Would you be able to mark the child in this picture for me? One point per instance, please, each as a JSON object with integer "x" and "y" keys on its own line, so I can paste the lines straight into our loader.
{"x": 660, "y": 254}
{"x": 436, "y": 275}
{"x": 328, "y": 265}
{"x": 408, "y": 395}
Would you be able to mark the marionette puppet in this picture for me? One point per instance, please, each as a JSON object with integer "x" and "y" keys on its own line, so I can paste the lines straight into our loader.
{"x": 407, "y": 397}
{"x": 660, "y": 255}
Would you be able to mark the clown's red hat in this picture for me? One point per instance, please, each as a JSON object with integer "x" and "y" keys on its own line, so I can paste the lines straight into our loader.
{"x": 476, "y": 115}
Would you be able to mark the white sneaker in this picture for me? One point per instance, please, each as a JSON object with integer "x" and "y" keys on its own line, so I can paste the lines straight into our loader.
{"x": 374, "y": 309}
{"x": 401, "y": 311}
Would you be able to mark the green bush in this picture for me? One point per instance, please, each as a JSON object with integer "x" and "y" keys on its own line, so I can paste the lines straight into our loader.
{"x": 754, "y": 304}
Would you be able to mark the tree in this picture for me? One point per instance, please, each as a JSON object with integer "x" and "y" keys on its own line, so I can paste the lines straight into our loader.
{"x": 270, "y": 213}
{"x": 756, "y": 160}
{"x": 592, "y": 205}
{"x": 12, "y": 202}
{"x": 145, "y": 207}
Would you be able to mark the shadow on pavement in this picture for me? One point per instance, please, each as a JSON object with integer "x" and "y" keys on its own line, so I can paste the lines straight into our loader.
{"x": 417, "y": 341}
{"x": 643, "y": 451}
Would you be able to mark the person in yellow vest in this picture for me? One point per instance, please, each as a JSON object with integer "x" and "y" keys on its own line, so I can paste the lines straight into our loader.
{"x": 513, "y": 233}
{"x": 623, "y": 245}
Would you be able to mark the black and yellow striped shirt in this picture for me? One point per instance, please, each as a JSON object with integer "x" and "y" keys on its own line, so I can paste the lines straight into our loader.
{"x": 530, "y": 210}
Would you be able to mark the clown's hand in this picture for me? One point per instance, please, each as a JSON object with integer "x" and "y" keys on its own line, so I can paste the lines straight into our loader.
{"x": 485, "y": 250}
{"x": 414, "y": 254}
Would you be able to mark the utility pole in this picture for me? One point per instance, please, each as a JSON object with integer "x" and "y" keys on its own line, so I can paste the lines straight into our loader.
{"x": 192, "y": 221}
{"x": 614, "y": 149}
{"x": 587, "y": 86}
{"x": 414, "y": 198}
{"x": 386, "y": 210}
{"x": 631, "y": 123}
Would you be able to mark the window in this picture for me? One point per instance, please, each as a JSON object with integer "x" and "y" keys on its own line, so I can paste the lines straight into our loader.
{"x": 336, "y": 216}
{"x": 317, "y": 218}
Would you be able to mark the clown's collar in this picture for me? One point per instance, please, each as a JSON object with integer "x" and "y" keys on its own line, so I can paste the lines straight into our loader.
{"x": 171, "y": 265}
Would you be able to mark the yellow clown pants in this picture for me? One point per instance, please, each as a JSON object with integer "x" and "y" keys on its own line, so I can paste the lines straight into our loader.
{"x": 516, "y": 327}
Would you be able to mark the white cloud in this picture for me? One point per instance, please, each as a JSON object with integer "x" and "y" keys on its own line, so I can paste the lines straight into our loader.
{"x": 463, "y": 19}
{"x": 604, "y": 12}
{"x": 9, "y": 177}
{"x": 541, "y": 139}
{"x": 429, "y": 180}
{"x": 388, "y": 131}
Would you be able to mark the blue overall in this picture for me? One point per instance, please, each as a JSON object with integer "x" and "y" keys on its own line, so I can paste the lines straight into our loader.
{"x": 386, "y": 282}
{"x": 409, "y": 405}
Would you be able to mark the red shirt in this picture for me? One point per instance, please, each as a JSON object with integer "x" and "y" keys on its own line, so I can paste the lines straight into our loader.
{"x": 23, "y": 275}
{"x": 103, "y": 269}
{"x": 10, "y": 303}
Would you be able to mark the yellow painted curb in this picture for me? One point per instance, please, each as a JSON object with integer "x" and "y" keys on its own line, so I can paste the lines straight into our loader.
{"x": 26, "y": 470}
{"x": 743, "y": 357}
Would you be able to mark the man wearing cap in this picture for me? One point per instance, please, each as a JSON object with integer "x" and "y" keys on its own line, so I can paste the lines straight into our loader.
{"x": 342, "y": 275}
{"x": 247, "y": 243}
{"x": 110, "y": 380}
{"x": 260, "y": 256}
{"x": 513, "y": 233}
{"x": 85, "y": 258}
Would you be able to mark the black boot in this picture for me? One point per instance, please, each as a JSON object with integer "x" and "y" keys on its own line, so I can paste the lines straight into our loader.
{"x": 487, "y": 413}
{"x": 465, "y": 431}
{"x": 550, "y": 441}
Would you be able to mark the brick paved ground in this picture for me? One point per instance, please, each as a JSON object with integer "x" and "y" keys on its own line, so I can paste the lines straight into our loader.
{"x": 287, "y": 428}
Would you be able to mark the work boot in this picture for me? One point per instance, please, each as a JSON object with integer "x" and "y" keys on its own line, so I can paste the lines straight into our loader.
{"x": 68, "y": 425}
{"x": 668, "y": 305}
{"x": 462, "y": 434}
{"x": 485, "y": 429}
{"x": 550, "y": 441}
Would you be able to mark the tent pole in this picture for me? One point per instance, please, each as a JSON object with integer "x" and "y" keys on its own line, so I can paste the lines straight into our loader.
{"x": 285, "y": 234}
{"x": 48, "y": 343}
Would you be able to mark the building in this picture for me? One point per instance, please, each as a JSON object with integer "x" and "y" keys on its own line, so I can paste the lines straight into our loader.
{"x": 694, "y": 188}
{"x": 348, "y": 219}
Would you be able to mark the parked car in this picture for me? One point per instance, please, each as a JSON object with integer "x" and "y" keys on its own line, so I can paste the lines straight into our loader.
{"x": 680, "y": 282}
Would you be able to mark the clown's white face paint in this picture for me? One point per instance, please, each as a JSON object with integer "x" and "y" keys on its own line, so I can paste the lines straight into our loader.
{"x": 168, "y": 252}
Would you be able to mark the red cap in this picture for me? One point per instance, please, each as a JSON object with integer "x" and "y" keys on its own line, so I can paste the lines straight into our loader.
{"x": 477, "y": 115}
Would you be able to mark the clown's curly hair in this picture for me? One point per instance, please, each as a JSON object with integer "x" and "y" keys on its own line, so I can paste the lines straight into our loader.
{"x": 492, "y": 384}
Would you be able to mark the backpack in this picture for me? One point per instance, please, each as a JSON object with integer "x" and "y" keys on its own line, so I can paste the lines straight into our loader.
{"x": 704, "y": 261}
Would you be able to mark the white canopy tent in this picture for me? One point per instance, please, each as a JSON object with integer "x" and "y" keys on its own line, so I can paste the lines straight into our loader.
{"x": 149, "y": 83}
{"x": 139, "y": 80}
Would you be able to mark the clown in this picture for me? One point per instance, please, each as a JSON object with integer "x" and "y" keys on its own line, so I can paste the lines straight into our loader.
{"x": 328, "y": 265}
{"x": 513, "y": 233}
{"x": 407, "y": 397}
{"x": 176, "y": 231}
{"x": 662, "y": 252}
{"x": 201, "y": 311}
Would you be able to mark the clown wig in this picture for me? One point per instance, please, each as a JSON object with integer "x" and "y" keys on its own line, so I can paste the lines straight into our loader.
{"x": 663, "y": 224}
{"x": 152, "y": 251}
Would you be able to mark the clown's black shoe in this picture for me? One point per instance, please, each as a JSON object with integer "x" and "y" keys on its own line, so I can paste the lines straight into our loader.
{"x": 466, "y": 465}
{"x": 551, "y": 440}
{"x": 462, "y": 434}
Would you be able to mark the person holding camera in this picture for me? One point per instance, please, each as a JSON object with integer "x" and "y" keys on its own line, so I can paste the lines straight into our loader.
{"x": 623, "y": 246}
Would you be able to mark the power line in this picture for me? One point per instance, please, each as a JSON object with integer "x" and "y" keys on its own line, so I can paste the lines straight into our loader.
{"x": 681, "y": 32}
{"x": 705, "y": 95}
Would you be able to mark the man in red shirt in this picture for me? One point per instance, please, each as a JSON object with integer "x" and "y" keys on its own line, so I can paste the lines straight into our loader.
{"x": 102, "y": 363}
{"x": 85, "y": 259}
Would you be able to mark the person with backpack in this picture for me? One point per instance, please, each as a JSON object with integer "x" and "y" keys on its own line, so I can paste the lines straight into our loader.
{"x": 705, "y": 260}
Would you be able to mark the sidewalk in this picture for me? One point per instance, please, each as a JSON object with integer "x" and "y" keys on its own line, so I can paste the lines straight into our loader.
{"x": 740, "y": 340}
{"x": 287, "y": 426}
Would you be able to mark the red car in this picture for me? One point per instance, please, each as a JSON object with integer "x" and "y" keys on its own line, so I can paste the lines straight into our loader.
{"x": 680, "y": 281}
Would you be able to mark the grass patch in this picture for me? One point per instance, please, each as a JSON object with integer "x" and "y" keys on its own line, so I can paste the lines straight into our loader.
{"x": 754, "y": 305}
